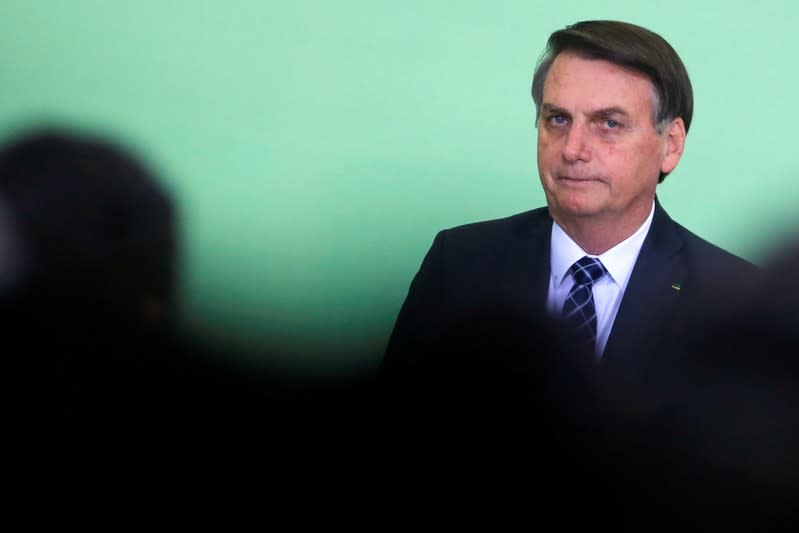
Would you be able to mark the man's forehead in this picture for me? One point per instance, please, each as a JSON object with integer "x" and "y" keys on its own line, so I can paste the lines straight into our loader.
{"x": 597, "y": 83}
{"x": 577, "y": 58}
{"x": 570, "y": 64}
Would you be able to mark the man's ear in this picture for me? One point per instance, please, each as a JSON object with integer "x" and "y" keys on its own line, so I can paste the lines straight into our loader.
{"x": 675, "y": 143}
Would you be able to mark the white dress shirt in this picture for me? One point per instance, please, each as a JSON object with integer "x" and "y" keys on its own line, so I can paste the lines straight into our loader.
{"x": 609, "y": 289}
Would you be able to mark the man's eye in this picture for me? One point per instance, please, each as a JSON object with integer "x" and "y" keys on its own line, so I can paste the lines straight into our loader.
{"x": 558, "y": 119}
{"x": 612, "y": 124}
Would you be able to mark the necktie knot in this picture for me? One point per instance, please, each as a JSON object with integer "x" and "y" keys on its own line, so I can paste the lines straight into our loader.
{"x": 587, "y": 270}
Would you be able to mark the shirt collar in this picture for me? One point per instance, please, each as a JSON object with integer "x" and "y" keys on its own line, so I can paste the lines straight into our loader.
{"x": 619, "y": 260}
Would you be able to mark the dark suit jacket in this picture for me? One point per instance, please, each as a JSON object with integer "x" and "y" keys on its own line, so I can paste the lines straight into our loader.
{"x": 475, "y": 363}
{"x": 477, "y": 269}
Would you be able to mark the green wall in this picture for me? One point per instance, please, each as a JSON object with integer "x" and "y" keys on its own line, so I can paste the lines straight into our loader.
{"x": 314, "y": 148}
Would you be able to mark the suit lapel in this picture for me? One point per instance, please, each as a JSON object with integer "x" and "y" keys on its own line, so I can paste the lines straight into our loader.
{"x": 648, "y": 305}
{"x": 526, "y": 278}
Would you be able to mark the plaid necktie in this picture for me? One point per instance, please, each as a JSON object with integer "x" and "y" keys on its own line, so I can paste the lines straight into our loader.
{"x": 578, "y": 308}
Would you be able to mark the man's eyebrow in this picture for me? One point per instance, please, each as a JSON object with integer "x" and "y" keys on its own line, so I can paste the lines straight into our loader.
{"x": 599, "y": 113}
{"x": 550, "y": 108}
{"x": 609, "y": 112}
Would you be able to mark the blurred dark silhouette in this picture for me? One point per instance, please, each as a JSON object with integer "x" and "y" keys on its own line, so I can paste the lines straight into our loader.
{"x": 92, "y": 374}
{"x": 114, "y": 413}
{"x": 726, "y": 437}
{"x": 711, "y": 443}
{"x": 91, "y": 226}
{"x": 499, "y": 410}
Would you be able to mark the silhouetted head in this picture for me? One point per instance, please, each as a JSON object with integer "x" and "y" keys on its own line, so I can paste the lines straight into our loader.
{"x": 89, "y": 224}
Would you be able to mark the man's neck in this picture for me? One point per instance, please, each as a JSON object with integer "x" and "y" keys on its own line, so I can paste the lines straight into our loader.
{"x": 597, "y": 235}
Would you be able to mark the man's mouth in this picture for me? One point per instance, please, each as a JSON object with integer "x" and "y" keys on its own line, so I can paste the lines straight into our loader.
{"x": 577, "y": 179}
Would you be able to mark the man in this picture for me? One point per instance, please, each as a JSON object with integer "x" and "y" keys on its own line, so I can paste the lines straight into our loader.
{"x": 614, "y": 104}
{"x": 568, "y": 323}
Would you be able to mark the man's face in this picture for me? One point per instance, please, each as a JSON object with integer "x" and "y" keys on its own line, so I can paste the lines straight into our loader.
{"x": 599, "y": 154}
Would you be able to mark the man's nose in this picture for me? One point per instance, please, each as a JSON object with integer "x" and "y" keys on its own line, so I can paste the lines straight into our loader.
{"x": 577, "y": 144}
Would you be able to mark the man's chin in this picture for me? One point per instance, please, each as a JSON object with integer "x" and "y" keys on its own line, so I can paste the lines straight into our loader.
{"x": 577, "y": 209}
